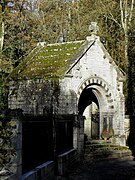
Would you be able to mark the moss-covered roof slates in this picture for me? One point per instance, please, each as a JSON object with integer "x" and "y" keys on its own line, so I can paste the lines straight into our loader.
{"x": 53, "y": 60}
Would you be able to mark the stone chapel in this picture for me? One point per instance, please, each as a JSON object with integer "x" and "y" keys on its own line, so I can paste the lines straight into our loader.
{"x": 66, "y": 91}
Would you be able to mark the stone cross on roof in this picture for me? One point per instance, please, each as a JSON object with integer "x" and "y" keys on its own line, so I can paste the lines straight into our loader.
{"x": 93, "y": 28}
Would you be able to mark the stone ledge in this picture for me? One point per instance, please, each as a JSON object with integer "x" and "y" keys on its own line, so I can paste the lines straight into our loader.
{"x": 66, "y": 160}
{"x": 31, "y": 175}
{"x": 44, "y": 171}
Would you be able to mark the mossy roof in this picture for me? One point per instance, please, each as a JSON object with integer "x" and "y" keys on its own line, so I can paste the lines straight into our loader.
{"x": 49, "y": 61}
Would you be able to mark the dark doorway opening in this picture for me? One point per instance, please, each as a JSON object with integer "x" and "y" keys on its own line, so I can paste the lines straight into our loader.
{"x": 37, "y": 138}
{"x": 64, "y": 136}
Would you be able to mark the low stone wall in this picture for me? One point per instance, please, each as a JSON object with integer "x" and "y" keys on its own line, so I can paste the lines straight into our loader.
{"x": 66, "y": 161}
{"x": 31, "y": 175}
{"x": 46, "y": 170}
{"x": 10, "y": 177}
{"x": 42, "y": 172}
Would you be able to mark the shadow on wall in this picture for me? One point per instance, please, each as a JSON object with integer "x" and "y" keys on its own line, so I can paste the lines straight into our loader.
{"x": 131, "y": 94}
{"x": 131, "y": 139}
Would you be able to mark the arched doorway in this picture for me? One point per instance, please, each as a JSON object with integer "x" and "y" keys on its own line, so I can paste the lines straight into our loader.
{"x": 95, "y": 103}
{"x": 89, "y": 108}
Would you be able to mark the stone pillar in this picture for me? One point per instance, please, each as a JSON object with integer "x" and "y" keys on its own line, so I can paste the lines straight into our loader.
{"x": 75, "y": 132}
{"x": 75, "y": 137}
{"x": 15, "y": 128}
{"x": 103, "y": 121}
{"x": 122, "y": 115}
{"x": 87, "y": 121}
{"x": 78, "y": 135}
{"x": 87, "y": 127}
{"x": 81, "y": 135}
{"x": 127, "y": 126}
{"x": 121, "y": 140}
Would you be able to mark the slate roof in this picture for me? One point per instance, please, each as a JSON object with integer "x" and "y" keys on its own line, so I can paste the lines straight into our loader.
{"x": 47, "y": 61}
{"x": 54, "y": 61}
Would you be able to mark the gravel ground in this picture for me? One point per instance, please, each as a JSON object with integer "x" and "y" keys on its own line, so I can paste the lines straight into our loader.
{"x": 111, "y": 169}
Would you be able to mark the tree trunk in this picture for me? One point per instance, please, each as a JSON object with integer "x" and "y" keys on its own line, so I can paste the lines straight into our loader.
{"x": 2, "y": 36}
{"x": 126, "y": 17}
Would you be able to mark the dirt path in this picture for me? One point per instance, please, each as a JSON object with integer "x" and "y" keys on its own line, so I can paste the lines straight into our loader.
{"x": 112, "y": 169}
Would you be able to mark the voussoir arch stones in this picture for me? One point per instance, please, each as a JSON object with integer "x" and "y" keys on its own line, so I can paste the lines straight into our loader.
{"x": 90, "y": 82}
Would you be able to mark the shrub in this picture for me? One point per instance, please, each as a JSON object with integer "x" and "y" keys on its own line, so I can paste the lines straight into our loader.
{"x": 105, "y": 134}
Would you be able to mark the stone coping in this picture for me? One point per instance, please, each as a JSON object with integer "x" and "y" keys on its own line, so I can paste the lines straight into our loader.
{"x": 67, "y": 152}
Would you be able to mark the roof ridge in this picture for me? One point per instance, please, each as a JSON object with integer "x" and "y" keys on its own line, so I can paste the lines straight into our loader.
{"x": 68, "y": 42}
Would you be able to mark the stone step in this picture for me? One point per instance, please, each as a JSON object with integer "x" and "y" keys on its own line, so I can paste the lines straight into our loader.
{"x": 99, "y": 149}
{"x": 99, "y": 141}
{"x": 102, "y": 143}
{"x": 105, "y": 150}
{"x": 106, "y": 155}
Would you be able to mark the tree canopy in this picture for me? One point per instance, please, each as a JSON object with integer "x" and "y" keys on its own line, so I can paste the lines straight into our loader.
{"x": 23, "y": 23}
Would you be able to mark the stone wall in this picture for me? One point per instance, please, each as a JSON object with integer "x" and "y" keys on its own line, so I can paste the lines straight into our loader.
{"x": 14, "y": 166}
{"x": 17, "y": 143}
{"x": 39, "y": 97}
{"x": 43, "y": 172}
{"x": 33, "y": 96}
{"x": 44, "y": 98}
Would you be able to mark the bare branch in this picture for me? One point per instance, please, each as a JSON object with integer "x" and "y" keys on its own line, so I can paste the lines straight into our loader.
{"x": 125, "y": 17}
{"x": 131, "y": 11}
{"x": 122, "y": 14}
{"x": 2, "y": 36}
{"x": 111, "y": 15}
{"x": 114, "y": 19}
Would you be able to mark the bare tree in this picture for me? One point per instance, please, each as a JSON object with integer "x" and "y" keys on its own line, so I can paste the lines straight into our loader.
{"x": 2, "y": 8}
{"x": 126, "y": 8}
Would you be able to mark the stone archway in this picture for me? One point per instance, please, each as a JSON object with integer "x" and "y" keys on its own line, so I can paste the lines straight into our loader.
{"x": 95, "y": 93}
